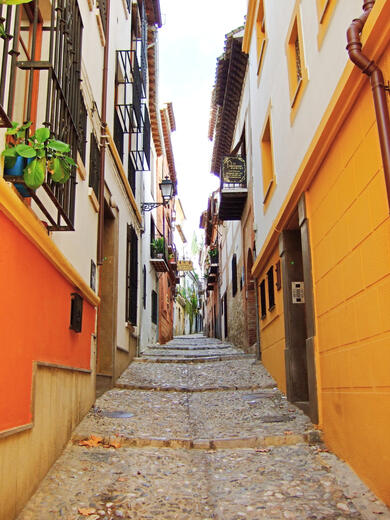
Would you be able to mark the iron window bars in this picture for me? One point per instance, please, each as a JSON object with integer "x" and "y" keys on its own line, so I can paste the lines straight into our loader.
{"x": 52, "y": 60}
{"x": 131, "y": 113}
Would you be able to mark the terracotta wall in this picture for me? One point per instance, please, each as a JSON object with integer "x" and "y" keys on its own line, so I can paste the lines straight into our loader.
{"x": 350, "y": 237}
{"x": 46, "y": 384}
{"x": 272, "y": 335}
{"x": 34, "y": 323}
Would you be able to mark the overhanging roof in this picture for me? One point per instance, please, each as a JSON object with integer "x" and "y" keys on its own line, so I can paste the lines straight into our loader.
{"x": 229, "y": 79}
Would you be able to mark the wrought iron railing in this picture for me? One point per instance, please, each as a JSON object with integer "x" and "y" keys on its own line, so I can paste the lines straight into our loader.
{"x": 41, "y": 60}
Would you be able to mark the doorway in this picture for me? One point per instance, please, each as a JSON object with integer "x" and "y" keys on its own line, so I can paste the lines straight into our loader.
{"x": 106, "y": 344}
{"x": 294, "y": 250}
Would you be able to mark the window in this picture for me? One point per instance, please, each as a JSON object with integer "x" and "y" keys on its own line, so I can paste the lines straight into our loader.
{"x": 154, "y": 307}
{"x": 271, "y": 289}
{"x": 297, "y": 73}
{"x": 144, "y": 287}
{"x": 234, "y": 274}
{"x": 325, "y": 10}
{"x": 94, "y": 166}
{"x": 118, "y": 134}
{"x": 267, "y": 161}
{"x": 261, "y": 36}
{"x": 131, "y": 174}
{"x": 131, "y": 275}
{"x": 263, "y": 307}
{"x": 152, "y": 234}
{"x": 278, "y": 276}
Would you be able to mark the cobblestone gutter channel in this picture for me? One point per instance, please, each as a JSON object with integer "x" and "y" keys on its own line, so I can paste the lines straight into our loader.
{"x": 204, "y": 435}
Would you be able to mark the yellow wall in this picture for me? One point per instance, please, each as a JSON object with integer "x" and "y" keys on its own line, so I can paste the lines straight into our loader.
{"x": 61, "y": 399}
{"x": 272, "y": 337}
{"x": 350, "y": 239}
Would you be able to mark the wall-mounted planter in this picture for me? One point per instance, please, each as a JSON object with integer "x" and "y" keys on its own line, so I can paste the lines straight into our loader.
{"x": 17, "y": 171}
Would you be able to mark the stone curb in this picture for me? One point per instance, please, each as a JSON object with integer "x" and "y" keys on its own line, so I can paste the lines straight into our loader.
{"x": 311, "y": 437}
{"x": 248, "y": 388}
{"x": 192, "y": 360}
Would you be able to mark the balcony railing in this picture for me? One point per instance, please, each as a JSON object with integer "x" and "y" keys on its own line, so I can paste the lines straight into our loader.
{"x": 40, "y": 82}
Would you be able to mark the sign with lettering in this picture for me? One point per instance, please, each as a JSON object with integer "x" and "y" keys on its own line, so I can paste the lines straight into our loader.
{"x": 234, "y": 170}
{"x": 185, "y": 265}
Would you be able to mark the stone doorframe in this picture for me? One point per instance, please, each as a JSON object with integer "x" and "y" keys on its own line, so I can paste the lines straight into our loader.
{"x": 295, "y": 254}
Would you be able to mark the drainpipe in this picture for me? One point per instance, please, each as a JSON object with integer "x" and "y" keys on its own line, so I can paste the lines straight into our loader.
{"x": 103, "y": 124}
{"x": 103, "y": 142}
{"x": 372, "y": 70}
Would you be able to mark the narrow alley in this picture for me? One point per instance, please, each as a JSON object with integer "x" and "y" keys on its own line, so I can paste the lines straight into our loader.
{"x": 195, "y": 429}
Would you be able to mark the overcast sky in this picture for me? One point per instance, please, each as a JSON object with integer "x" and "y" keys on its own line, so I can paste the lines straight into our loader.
{"x": 191, "y": 39}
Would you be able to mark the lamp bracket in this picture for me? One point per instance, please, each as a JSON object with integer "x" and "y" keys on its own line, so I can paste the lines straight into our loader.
{"x": 148, "y": 206}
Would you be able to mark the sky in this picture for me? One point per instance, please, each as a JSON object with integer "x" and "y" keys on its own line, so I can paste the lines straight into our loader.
{"x": 190, "y": 41}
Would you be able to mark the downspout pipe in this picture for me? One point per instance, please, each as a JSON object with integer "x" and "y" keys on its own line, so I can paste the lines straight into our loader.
{"x": 103, "y": 141}
{"x": 369, "y": 67}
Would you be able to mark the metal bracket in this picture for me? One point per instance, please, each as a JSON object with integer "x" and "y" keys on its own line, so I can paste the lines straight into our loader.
{"x": 148, "y": 206}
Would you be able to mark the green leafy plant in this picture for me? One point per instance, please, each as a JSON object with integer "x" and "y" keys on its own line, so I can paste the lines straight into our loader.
{"x": 158, "y": 245}
{"x": 45, "y": 154}
{"x": 14, "y": 2}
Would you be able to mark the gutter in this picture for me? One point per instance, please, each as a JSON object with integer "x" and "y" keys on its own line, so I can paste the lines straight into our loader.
{"x": 103, "y": 143}
{"x": 378, "y": 86}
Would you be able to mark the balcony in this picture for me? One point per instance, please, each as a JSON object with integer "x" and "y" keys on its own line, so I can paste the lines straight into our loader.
{"x": 159, "y": 255}
{"x": 234, "y": 191}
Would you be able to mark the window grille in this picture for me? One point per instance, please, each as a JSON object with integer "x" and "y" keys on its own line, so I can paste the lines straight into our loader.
{"x": 131, "y": 275}
{"x": 234, "y": 274}
{"x": 263, "y": 308}
{"x": 298, "y": 62}
{"x": 144, "y": 287}
{"x": 271, "y": 289}
{"x": 118, "y": 135}
{"x": 82, "y": 128}
{"x": 42, "y": 61}
{"x": 154, "y": 307}
{"x": 94, "y": 166}
{"x": 131, "y": 174}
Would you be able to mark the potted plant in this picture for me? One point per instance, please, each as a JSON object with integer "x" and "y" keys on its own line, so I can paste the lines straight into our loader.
{"x": 33, "y": 156}
{"x": 158, "y": 247}
{"x": 213, "y": 254}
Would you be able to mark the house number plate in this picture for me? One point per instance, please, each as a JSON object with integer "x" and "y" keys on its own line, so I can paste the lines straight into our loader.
{"x": 298, "y": 292}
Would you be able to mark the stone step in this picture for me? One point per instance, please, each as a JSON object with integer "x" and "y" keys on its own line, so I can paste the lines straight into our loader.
{"x": 156, "y": 359}
{"x": 192, "y": 389}
{"x": 311, "y": 437}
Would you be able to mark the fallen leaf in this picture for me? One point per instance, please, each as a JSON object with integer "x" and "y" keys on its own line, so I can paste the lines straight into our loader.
{"x": 122, "y": 479}
{"x": 86, "y": 511}
{"x": 288, "y": 432}
{"x": 92, "y": 442}
{"x": 262, "y": 450}
{"x": 115, "y": 444}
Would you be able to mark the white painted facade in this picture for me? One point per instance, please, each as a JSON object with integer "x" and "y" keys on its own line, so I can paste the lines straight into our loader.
{"x": 324, "y": 66}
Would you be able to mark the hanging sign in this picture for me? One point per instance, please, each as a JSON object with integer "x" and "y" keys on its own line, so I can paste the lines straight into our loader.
{"x": 185, "y": 265}
{"x": 234, "y": 170}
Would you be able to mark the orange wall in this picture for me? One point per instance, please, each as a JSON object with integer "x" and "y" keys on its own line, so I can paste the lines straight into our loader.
{"x": 350, "y": 237}
{"x": 272, "y": 336}
{"x": 34, "y": 323}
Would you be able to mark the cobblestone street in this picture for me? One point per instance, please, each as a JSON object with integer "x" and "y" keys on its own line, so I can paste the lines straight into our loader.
{"x": 196, "y": 430}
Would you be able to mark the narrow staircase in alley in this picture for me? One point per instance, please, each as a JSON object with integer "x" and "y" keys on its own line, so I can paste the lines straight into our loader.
{"x": 196, "y": 429}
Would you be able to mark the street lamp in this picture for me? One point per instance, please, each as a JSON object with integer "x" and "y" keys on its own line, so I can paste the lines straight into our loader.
{"x": 166, "y": 188}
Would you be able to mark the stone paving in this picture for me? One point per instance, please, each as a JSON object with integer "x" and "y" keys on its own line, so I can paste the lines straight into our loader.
{"x": 198, "y": 438}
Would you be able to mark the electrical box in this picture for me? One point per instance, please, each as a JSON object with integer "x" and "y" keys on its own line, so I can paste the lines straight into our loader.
{"x": 298, "y": 292}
